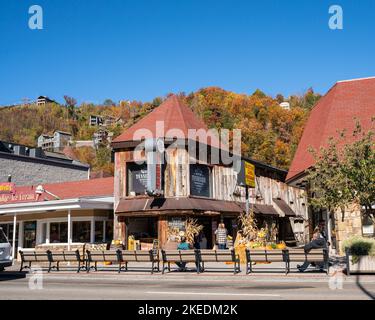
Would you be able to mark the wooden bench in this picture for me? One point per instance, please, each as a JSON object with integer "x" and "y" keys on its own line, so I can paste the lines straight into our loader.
{"x": 265, "y": 256}
{"x": 31, "y": 257}
{"x": 126, "y": 256}
{"x": 207, "y": 255}
{"x": 100, "y": 256}
{"x": 317, "y": 256}
{"x": 179, "y": 256}
{"x": 55, "y": 257}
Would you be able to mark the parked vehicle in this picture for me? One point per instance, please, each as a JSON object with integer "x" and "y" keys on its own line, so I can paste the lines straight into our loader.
{"x": 5, "y": 251}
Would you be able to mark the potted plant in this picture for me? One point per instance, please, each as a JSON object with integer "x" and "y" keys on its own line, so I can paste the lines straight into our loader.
{"x": 360, "y": 255}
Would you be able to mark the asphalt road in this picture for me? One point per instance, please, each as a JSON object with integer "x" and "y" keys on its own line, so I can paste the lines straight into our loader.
{"x": 186, "y": 286}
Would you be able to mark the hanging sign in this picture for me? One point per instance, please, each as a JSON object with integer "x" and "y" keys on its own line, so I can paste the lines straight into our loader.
{"x": 199, "y": 180}
{"x": 246, "y": 177}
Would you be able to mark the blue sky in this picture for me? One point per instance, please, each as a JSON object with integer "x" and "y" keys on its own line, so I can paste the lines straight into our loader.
{"x": 137, "y": 50}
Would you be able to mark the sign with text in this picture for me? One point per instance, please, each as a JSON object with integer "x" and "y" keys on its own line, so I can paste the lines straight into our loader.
{"x": 200, "y": 180}
{"x": 7, "y": 187}
{"x": 246, "y": 177}
{"x": 137, "y": 178}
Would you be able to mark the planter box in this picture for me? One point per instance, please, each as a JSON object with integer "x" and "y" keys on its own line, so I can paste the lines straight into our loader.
{"x": 365, "y": 264}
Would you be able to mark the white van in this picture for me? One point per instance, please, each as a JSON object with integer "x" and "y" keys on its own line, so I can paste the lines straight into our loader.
{"x": 5, "y": 251}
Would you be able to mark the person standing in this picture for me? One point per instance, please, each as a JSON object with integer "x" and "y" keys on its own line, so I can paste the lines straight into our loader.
{"x": 221, "y": 236}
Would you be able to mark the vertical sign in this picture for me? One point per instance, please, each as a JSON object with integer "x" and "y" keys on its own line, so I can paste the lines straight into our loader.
{"x": 249, "y": 175}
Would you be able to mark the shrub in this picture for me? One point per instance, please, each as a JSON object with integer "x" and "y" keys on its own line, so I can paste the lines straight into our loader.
{"x": 359, "y": 246}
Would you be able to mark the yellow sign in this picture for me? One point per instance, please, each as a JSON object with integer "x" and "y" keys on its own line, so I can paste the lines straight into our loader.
{"x": 7, "y": 187}
{"x": 249, "y": 175}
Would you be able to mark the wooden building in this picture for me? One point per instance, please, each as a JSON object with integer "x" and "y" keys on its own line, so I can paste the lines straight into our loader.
{"x": 191, "y": 185}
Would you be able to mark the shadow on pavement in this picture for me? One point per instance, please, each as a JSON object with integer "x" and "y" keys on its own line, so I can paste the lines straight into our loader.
{"x": 363, "y": 289}
{"x": 12, "y": 275}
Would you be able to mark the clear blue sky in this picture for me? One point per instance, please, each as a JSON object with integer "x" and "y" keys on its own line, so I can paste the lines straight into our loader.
{"x": 120, "y": 49}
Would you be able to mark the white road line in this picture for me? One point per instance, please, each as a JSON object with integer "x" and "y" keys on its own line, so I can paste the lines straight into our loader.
{"x": 215, "y": 293}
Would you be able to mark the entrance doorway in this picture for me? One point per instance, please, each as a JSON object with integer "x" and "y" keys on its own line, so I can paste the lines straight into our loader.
{"x": 29, "y": 234}
{"x": 206, "y": 239}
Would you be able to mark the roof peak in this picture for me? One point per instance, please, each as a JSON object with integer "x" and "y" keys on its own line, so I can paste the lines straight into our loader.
{"x": 177, "y": 120}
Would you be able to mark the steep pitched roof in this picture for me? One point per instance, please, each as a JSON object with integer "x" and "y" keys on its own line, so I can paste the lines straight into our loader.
{"x": 336, "y": 111}
{"x": 178, "y": 118}
{"x": 65, "y": 190}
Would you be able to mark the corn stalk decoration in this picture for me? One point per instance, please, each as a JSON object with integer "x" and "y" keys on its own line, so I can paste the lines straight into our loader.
{"x": 192, "y": 229}
{"x": 248, "y": 226}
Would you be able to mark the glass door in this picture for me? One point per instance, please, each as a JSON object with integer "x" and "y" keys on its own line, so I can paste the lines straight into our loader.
{"x": 29, "y": 234}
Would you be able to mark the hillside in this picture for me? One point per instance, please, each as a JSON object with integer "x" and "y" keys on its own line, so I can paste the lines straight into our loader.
{"x": 269, "y": 132}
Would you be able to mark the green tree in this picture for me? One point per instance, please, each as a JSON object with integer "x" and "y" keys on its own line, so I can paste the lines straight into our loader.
{"x": 345, "y": 175}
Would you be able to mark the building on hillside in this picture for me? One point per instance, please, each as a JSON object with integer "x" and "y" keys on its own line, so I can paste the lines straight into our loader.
{"x": 43, "y": 100}
{"x": 188, "y": 185}
{"x": 26, "y": 165}
{"x": 285, "y": 105}
{"x": 345, "y": 102}
{"x": 95, "y": 120}
{"x": 56, "y": 142}
{"x": 58, "y": 216}
{"x": 102, "y": 136}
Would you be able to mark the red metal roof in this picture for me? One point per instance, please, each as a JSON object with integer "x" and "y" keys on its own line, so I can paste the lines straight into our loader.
{"x": 334, "y": 112}
{"x": 64, "y": 190}
{"x": 178, "y": 118}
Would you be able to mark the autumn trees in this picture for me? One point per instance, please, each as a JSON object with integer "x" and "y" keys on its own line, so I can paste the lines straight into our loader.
{"x": 269, "y": 132}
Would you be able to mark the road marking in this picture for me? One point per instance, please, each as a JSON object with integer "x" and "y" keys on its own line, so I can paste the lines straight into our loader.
{"x": 215, "y": 293}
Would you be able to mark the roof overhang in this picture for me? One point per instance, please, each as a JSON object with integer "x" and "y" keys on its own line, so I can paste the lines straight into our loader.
{"x": 195, "y": 205}
{"x": 105, "y": 203}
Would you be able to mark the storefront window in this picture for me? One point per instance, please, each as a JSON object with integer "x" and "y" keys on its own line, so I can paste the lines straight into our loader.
{"x": 142, "y": 228}
{"x": 99, "y": 228}
{"x": 44, "y": 233}
{"x": 109, "y": 230}
{"x": 137, "y": 179}
{"x": 29, "y": 234}
{"x": 8, "y": 231}
{"x": 200, "y": 180}
{"x": 81, "y": 231}
{"x": 58, "y": 232}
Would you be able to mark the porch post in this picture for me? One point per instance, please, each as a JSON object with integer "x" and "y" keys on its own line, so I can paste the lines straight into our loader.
{"x": 69, "y": 229}
{"x": 14, "y": 237}
{"x": 92, "y": 230}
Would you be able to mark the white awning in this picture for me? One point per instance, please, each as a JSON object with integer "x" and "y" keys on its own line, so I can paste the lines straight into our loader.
{"x": 57, "y": 205}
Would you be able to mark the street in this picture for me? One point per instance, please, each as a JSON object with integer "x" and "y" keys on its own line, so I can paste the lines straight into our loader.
{"x": 186, "y": 286}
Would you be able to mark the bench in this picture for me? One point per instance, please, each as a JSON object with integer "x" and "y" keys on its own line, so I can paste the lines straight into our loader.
{"x": 100, "y": 256}
{"x": 32, "y": 256}
{"x": 317, "y": 256}
{"x": 126, "y": 256}
{"x": 179, "y": 256}
{"x": 55, "y": 257}
{"x": 265, "y": 256}
{"x": 207, "y": 255}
